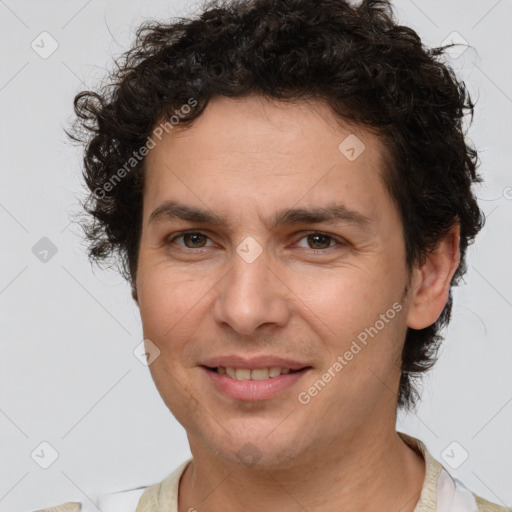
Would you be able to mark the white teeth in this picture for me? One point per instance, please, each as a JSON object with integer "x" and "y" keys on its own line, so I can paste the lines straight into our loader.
{"x": 242, "y": 374}
{"x": 259, "y": 374}
{"x": 256, "y": 374}
{"x": 274, "y": 372}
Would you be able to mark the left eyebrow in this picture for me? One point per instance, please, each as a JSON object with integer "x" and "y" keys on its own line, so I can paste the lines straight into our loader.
{"x": 331, "y": 213}
{"x": 321, "y": 214}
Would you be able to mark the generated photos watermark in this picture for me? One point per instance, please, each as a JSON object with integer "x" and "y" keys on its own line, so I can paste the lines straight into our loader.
{"x": 342, "y": 361}
{"x": 138, "y": 156}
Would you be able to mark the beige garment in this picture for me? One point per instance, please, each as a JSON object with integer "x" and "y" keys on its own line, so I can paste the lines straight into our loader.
{"x": 71, "y": 506}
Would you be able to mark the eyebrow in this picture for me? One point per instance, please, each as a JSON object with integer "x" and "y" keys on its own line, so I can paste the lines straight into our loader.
{"x": 172, "y": 210}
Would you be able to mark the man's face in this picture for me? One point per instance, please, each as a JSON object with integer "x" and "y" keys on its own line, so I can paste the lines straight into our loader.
{"x": 267, "y": 290}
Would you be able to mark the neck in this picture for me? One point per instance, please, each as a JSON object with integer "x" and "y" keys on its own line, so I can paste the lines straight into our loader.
{"x": 356, "y": 475}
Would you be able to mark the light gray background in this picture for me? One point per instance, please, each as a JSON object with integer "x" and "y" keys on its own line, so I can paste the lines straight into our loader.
{"x": 68, "y": 373}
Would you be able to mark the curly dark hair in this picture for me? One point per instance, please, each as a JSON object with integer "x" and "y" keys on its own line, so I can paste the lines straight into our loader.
{"x": 357, "y": 59}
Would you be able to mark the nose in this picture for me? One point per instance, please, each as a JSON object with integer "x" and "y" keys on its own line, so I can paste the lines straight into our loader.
{"x": 251, "y": 295}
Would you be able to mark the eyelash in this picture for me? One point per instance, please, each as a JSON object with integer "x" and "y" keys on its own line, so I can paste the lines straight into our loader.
{"x": 309, "y": 233}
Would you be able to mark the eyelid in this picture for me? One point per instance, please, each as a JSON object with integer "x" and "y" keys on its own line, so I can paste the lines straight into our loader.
{"x": 303, "y": 234}
{"x": 339, "y": 241}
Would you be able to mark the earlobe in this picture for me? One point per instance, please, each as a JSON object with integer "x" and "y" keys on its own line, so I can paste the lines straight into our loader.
{"x": 134, "y": 295}
{"x": 431, "y": 283}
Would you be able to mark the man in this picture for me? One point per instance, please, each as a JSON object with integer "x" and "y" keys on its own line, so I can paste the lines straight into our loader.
{"x": 288, "y": 187}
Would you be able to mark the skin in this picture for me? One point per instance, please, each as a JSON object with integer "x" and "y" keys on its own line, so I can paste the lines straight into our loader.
{"x": 246, "y": 159}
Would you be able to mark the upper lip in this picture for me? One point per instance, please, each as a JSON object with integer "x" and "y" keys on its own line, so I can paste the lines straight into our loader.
{"x": 252, "y": 363}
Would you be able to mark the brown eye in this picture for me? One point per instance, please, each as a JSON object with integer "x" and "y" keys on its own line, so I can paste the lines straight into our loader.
{"x": 192, "y": 240}
{"x": 319, "y": 241}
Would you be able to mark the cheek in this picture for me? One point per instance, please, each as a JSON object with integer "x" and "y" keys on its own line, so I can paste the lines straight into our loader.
{"x": 166, "y": 298}
{"x": 343, "y": 298}
{"x": 359, "y": 305}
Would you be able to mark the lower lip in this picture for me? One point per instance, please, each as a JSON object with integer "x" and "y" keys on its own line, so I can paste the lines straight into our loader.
{"x": 253, "y": 390}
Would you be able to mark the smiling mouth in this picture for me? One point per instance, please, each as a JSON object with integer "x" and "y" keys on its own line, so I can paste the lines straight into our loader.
{"x": 254, "y": 374}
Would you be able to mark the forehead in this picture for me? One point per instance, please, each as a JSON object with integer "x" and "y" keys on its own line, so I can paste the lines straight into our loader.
{"x": 268, "y": 153}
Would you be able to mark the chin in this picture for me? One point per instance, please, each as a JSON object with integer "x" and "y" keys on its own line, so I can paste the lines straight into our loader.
{"x": 265, "y": 448}
{"x": 258, "y": 456}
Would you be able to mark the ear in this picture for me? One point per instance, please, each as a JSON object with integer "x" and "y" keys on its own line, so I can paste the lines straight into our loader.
{"x": 431, "y": 281}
